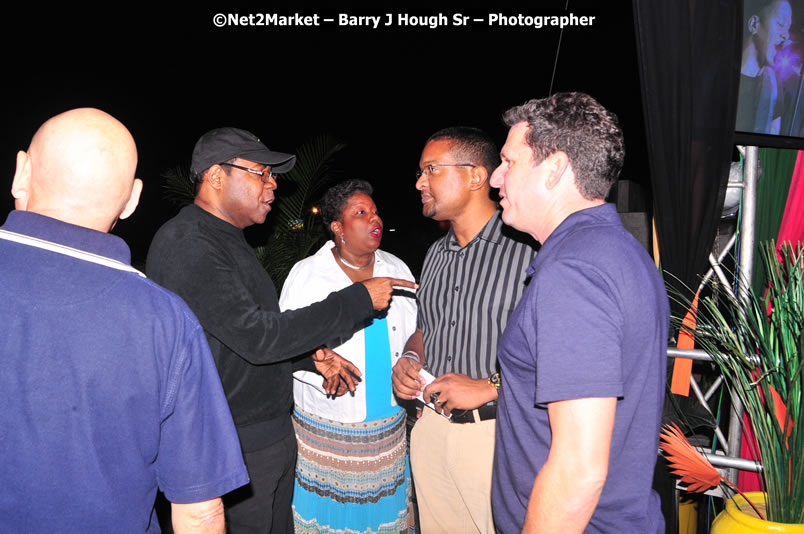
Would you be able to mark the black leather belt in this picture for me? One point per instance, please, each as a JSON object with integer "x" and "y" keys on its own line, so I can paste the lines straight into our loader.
{"x": 485, "y": 412}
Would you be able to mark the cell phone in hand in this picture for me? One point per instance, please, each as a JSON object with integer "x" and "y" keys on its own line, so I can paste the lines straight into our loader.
{"x": 428, "y": 379}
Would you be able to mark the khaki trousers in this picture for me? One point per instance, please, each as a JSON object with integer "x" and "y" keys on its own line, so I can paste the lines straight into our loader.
{"x": 452, "y": 466}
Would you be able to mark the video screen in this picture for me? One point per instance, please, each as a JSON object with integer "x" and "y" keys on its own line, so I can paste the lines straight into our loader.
{"x": 770, "y": 103}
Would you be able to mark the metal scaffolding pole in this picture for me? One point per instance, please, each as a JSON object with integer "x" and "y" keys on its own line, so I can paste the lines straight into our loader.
{"x": 748, "y": 213}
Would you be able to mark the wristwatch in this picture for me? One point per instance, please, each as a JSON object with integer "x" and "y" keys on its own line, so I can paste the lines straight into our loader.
{"x": 495, "y": 381}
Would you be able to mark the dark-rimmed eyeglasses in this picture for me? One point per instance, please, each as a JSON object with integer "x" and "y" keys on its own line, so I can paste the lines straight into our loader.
{"x": 265, "y": 176}
{"x": 433, "y": 168}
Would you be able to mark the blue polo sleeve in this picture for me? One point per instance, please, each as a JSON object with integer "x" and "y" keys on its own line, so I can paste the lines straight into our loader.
{"x": 578, "y": 334}
{"x": 199, "y": 453}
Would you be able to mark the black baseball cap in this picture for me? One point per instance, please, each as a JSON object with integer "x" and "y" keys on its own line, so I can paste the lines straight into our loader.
{"x": 223, "y": 144}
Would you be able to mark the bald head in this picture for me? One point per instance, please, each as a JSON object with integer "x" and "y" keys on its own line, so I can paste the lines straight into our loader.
{"x": 79, "y": 169}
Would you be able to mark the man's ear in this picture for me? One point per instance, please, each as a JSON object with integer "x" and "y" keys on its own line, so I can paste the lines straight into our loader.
{"x": 21, "y": 186}
{"x": 559, "y": 163}
{"x": 133, "y": 200}
{"x": 753, "y": 24}
{"x": 478, "y": 176}
{"x": 214, "y": 176}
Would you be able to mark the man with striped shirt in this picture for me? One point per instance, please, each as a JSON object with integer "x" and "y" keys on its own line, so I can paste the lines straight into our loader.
{"x": 471, "y": 281}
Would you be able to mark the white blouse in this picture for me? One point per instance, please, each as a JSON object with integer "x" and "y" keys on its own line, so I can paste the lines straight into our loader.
{"x": 313, "y": 279}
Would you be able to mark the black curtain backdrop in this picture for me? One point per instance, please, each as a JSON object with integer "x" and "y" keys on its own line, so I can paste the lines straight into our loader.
{"x": 689, "y": 66}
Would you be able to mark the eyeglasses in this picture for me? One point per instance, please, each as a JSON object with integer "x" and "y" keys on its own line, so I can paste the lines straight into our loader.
{"x": 265, "y": 176}
{"x": 433, "y": 168}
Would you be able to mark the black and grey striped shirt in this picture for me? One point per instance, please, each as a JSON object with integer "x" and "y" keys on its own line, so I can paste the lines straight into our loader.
{"x": 466, "y": 296}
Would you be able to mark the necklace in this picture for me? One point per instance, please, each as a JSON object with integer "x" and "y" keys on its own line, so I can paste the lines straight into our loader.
{"x": 343, "y": 261}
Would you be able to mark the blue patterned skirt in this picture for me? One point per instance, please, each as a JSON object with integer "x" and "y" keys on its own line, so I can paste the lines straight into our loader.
{"x": 351, "y": 478}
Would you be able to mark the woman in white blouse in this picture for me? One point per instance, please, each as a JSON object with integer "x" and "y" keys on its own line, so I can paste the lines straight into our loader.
{"x": 352, "y": 473}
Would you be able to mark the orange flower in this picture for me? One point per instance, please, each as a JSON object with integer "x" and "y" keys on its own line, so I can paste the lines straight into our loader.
{"x": 686, "y": 462}
{"x": 690, "y": 465}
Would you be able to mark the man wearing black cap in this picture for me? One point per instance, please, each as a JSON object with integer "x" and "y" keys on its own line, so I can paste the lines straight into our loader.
{"x": 202, "y": 255}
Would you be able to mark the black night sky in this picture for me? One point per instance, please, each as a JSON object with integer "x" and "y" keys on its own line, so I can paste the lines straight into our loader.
{"x": 170, "y": 75}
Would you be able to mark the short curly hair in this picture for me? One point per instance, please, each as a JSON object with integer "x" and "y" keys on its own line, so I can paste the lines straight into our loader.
{"x": 334, "y": 201}
{"x": 576, "y": 124}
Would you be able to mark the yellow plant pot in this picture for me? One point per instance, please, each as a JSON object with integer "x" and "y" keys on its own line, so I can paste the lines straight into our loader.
{"x": 740, "y": 518}
{"x": 687, "y": 517}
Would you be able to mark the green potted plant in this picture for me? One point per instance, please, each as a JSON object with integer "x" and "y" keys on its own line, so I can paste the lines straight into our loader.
{"x": 757, "y": 342}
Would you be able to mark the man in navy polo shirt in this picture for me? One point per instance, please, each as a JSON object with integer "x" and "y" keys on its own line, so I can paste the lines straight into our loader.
{"x": 583, "y": 356}
{"x": 109, "y": 390}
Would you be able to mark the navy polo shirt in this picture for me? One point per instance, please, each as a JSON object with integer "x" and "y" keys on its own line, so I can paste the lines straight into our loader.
{"x": 593, "y": 322}
{"x": 108, "y": 388}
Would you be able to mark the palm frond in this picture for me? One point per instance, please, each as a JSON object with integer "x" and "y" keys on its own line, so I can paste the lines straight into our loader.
{"x": 294, "y": 231}
{"x": 177, "y": 187}
{"x": 299, "y": 187}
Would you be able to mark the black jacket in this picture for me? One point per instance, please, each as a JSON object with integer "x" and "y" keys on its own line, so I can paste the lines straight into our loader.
{"x": 208, "y": 263}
